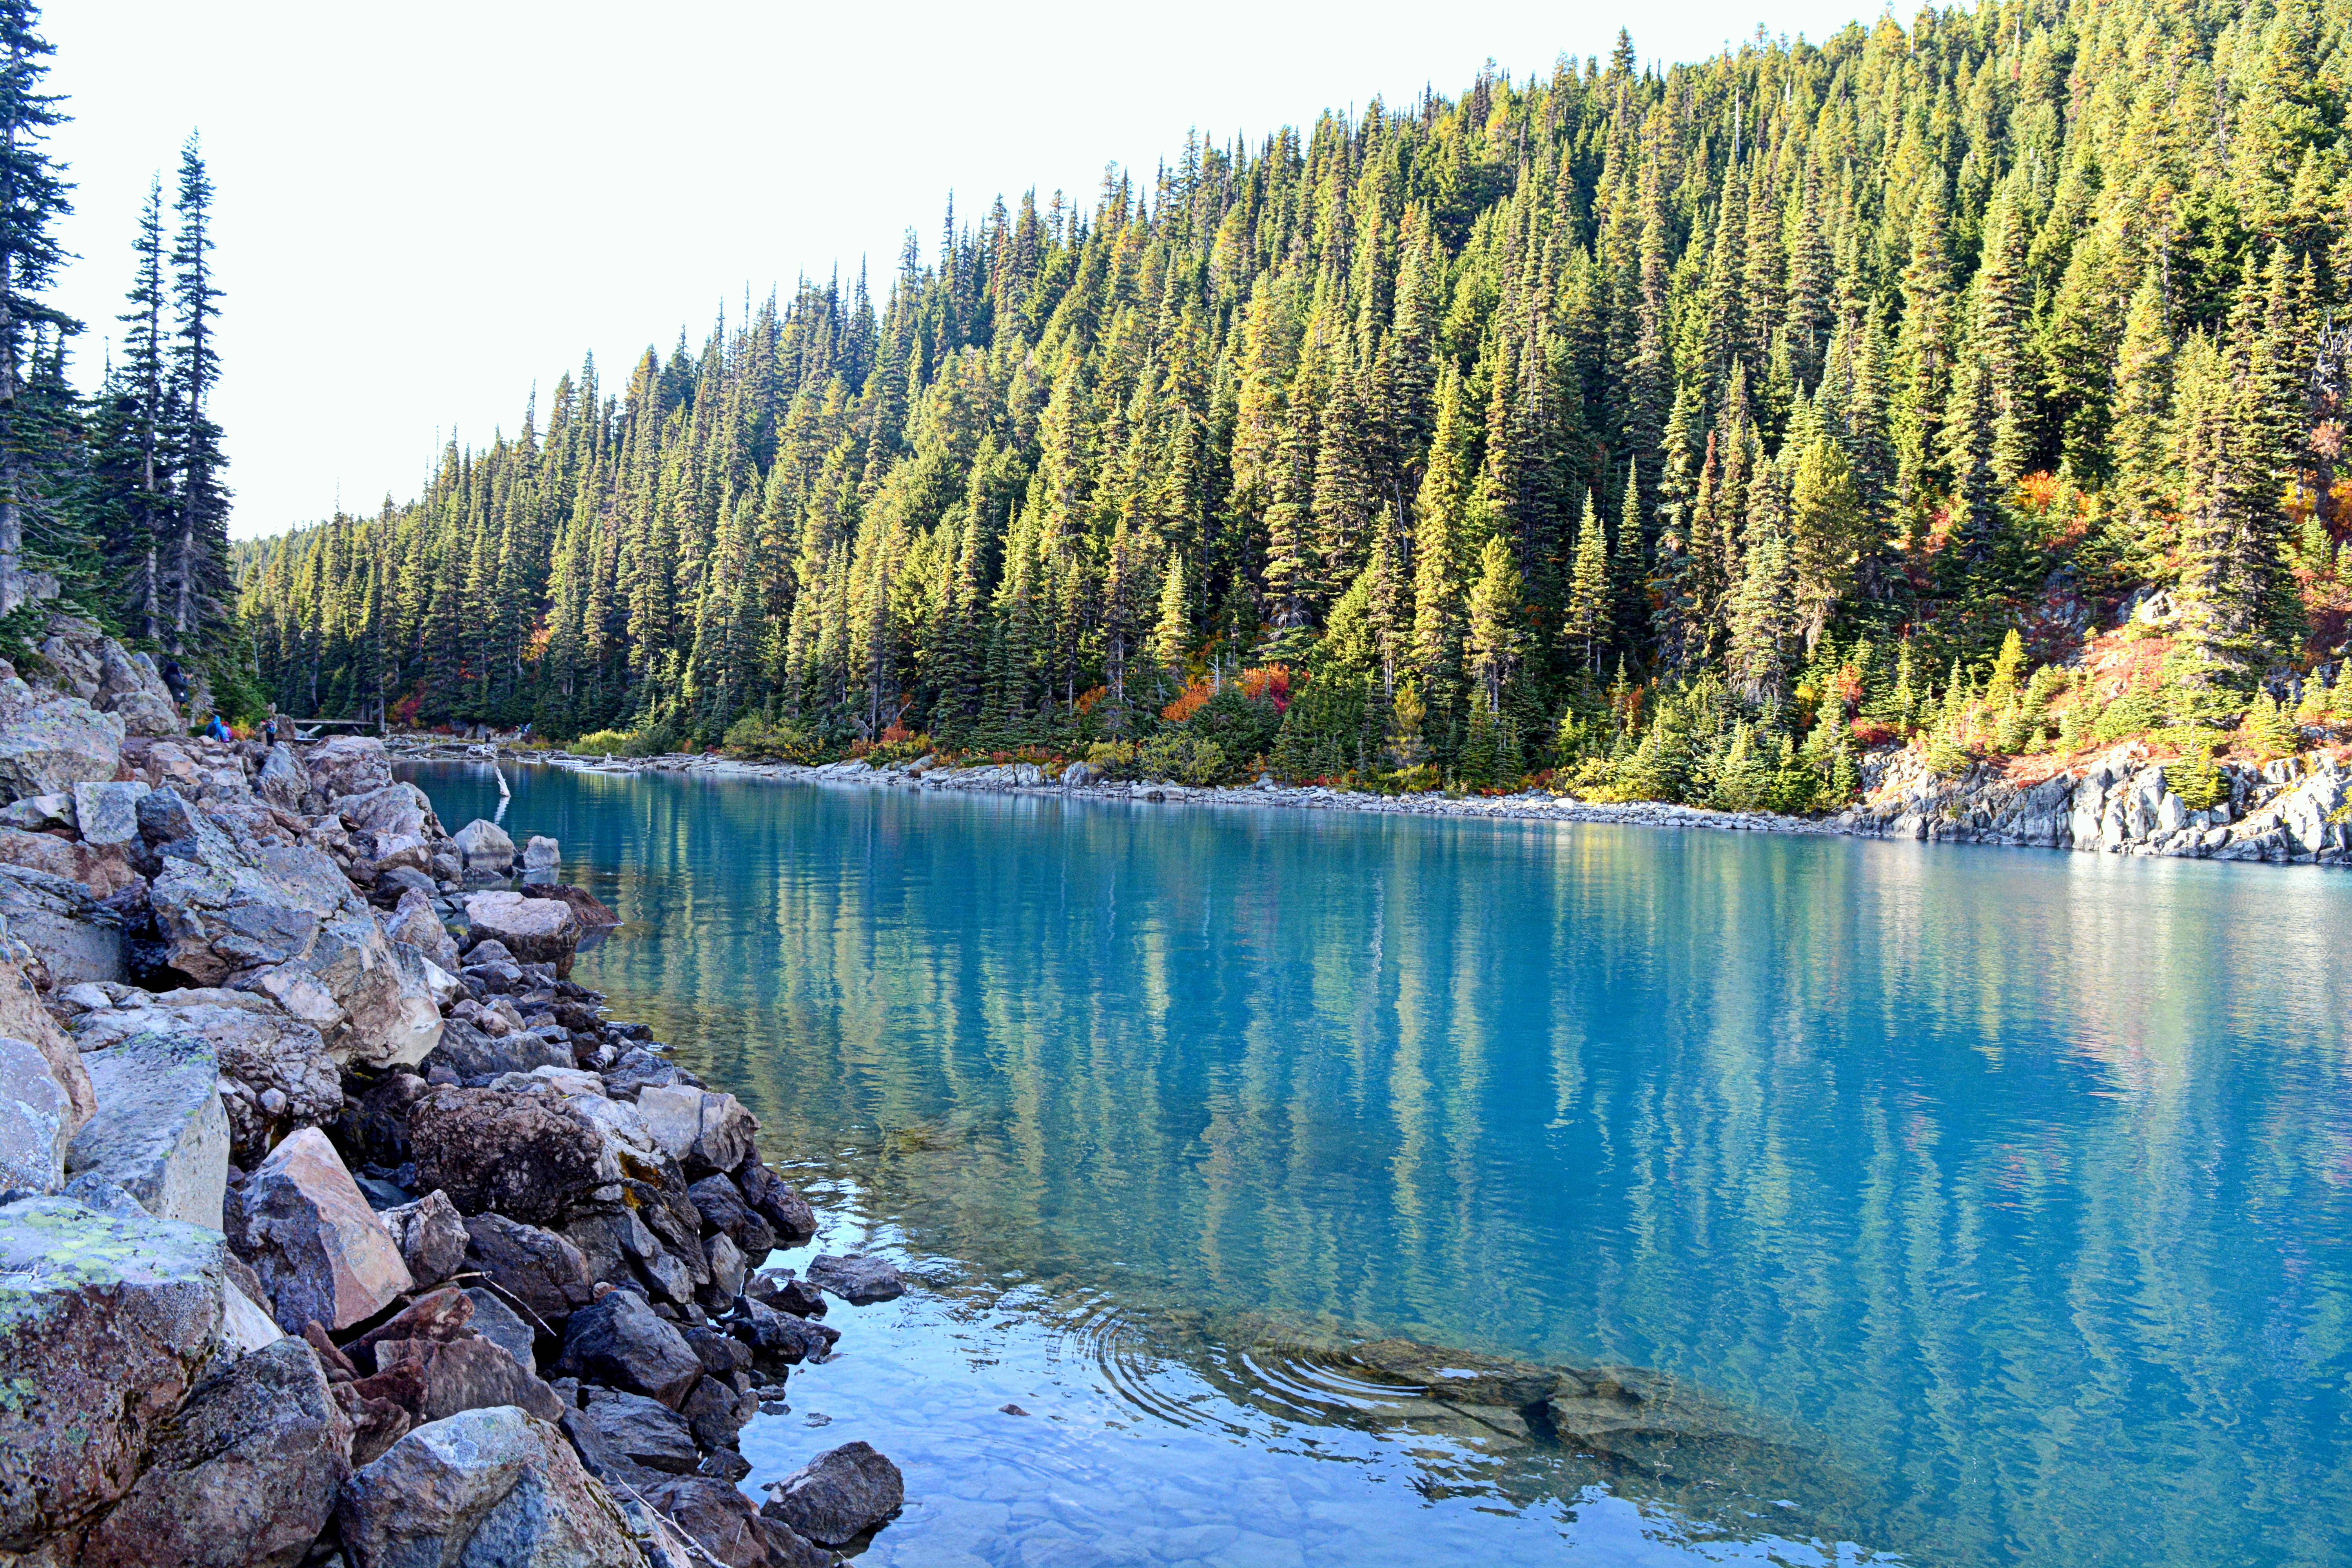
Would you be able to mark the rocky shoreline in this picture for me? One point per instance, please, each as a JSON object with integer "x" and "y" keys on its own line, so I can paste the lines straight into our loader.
{"x": 2291, "y": 811}
{"x": 331, "y": 1238}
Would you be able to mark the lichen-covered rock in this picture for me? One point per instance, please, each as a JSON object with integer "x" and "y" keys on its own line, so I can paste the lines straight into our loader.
{"x": 704, "y": 1132}
{"x": 346, "y": 765}
{"x": 617, "y": 1340}
{"x": 484, "y": 1489}
{"x": 281, "y": 919}
{"x": 105, "y": 1321}
{"x": 527, "y": 1156}
{"x": 36, "y": 1119}
{"x": 320, "y": 1249}
{"x": 245, "y": 1476}
{"x": 838, "y": 1495}
{"x": 161, "y": 1134}
{"x": 536, "y": 931}
{"x": 75, "y": 940}
{"x": 484, "y": 848}
{"x": 107, "y": 813}
{"x": 48, "y": 745}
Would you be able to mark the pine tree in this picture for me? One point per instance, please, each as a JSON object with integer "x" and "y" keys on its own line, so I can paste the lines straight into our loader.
{"x": 32, "y": 202}
{"x": 1494, "y": 641}
{"x": 1590, "y": 603}
{"x": 193, "y": 577}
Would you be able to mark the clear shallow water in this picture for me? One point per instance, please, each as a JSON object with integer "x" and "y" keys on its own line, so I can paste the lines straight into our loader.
{"x": 2000, "y": 1196}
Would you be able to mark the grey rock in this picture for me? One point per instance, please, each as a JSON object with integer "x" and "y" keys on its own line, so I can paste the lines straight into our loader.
{"x": 776, "y": 1201}
{"x": 107, "y": 813}
{"x": 431, "y": 1236}
{"x": 36, "y": 1119}
{"x": 105, "y": 1323}
{"x": 484, "y": 1489}
{"x": 704, "y": 1132}
{"x": 500, "y": 1324}
{"x": 317, "y": 1247}
{"x": 129, "y": 688}
{"x": 263, "y": 1052}
{"x": 412, "y": 920}
{"x": 779, "y": 1338}
{"x": 161, "y": 1134}
{"x": 282, "y": 782}
{"x": 99, "y": 871}
{"x": 245, "y": 1476}
{"x": 535, "y": 930}
{"x": 75, "y": 942}
{"x": 858, "y": 1280}
{"x": 726, "y": 1263}
{"x": 49, "y": 745}
{"x": 539, "y": 1268}
{"x": 725, "y": 1212}
{"x": 37, "y": 813}
{"x": 838, "y": 1495}
{"x": 717, "y": 1412}
{"x": 484, "y": 848}
{"x": 629, "y": 1438}
{"x": 617, "y": 1339}
{"x": 719, "y": 1517}
{"x": 542, "y": 854}
{"x": 471, "y": 1053}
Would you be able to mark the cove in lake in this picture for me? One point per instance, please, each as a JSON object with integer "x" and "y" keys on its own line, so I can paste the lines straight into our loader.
{"x": 1999, "y": 1197}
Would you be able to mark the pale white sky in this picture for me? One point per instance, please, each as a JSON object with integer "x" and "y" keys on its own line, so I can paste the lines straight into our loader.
{"x": 425, "y": 207}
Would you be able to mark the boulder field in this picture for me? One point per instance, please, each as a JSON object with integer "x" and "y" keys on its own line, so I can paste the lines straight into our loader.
{"x": 330, "y": 1236}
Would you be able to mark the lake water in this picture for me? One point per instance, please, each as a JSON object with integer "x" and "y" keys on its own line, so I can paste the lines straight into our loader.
{"x": 1971, "y": 1205}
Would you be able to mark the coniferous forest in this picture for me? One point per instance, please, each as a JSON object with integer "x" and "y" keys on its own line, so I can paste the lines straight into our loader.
{"x": 113, "y": 505}
{"x": 1686, "y": 432}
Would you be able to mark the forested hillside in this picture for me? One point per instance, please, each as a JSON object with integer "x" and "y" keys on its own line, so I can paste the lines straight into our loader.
{"x": 1681, "y": 430}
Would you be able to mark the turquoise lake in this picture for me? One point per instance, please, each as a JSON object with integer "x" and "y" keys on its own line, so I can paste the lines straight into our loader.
{"x": 1997, "y": 1203}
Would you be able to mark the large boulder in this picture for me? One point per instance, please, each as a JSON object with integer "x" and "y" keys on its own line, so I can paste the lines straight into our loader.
{"x": 412, "y": 920}
{"x": 245, "y": 1476}
{"x": 704, "y": 1132}
{"x": 84, "y": 662}
{"x": 106, "y": 1321}
{"x": 346, "y": 765}
{"x": 772, "y": 1200}
{"x": 618, "y": 1340}
{"x": 75, "y": 940}
{"x": 50, "y": 743}
{"x": 392, "y": 829}
{"x": 483, "y": 1488}
{"x": 276, "y": 1072}
{"x": 536, "y": 931}
{"x": 724, "y": 1212}
{"x": 320, "y": 1249}
{"x": 160, "y": 1133}
{"x": 528, "y": 1156}
{"x": 542, "y": 854}
{"x": 838, "y": 1495}
{"x": 484, "y": 848}
{"x": 36, "y": 1119}
{"x": 282, "y": 920}
{"x": 591, "y": 911}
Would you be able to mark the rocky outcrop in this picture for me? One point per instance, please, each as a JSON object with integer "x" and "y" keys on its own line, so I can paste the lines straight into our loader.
{"x": 480, "y": 1489}
{"x": 84, "y": 662}
{"x": 106, "y": 1321}
{"x": 245, "y": 1476}
{"x": 345, "y": 765}
{"x": 77, "y": 941}
{"x": 319, "y": 1248}
{"x": 2122, "y": 804}
{"x": 160, "y": 1132}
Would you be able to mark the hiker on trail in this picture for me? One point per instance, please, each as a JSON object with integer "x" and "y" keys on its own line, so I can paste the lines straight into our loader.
{"x": 177, "y": 682}
{"x": 218, "y": 729}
